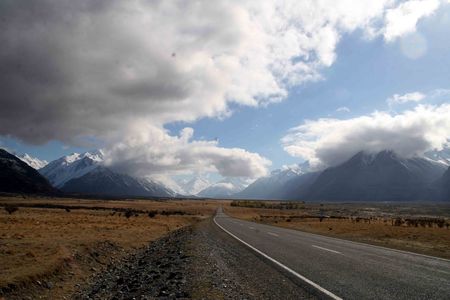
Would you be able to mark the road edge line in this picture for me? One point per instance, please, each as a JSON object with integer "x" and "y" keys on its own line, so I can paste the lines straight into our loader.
{"x": 303, "y": 278}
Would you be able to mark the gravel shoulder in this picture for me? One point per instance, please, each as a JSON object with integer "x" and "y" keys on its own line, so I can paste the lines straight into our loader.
{"x": 199, "y": 262}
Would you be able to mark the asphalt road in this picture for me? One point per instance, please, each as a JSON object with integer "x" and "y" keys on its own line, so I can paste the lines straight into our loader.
{"x": 343, "y": 269}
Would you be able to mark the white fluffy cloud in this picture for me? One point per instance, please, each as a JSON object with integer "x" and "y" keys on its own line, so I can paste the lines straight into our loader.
{"x": 326, "y": 142}
{"x": 408, "y": 97}
{"x": 79, "y": 70}
{"x": 403, "y": 18}
{"x": 343, "y": 109}
{"x": 154, "y": 152}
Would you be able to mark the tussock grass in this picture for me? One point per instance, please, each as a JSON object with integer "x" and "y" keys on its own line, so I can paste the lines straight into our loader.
{"x": 49, "y": 244}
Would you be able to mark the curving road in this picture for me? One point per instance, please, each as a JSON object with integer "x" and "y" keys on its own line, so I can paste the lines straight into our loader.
{"x": 341, "y": 269}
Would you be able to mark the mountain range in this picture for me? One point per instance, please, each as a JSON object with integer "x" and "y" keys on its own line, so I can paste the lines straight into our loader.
{"x": 382, "y": 176}
{"x": 86, "y": 174}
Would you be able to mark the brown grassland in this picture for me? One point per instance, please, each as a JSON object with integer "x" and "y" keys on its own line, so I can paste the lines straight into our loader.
{"x": 49, "y": 246}
{"x": 48, "y": 250}
{"x": 421, "y": 228}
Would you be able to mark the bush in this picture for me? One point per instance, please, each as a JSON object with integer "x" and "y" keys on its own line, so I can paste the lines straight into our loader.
{"x": 11, "y": 209}
{"x": 152, "y": 213}
{"x": 398, "y": 222}
{"x": 129, "y": 213}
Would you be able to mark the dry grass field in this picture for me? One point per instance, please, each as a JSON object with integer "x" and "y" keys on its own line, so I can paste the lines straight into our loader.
{"x": 50, "y": 245}
{"x": 421, "y": 228}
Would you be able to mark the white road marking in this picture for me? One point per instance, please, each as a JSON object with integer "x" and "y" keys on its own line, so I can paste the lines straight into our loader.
{"x": 251, "y": 227}
{"x": 313, "y": 284}
{"x": 326, "y": 249}
{"x": 271, "y": 233}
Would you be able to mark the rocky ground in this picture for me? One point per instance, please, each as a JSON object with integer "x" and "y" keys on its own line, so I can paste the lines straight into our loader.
{"x": 201, "y": 262}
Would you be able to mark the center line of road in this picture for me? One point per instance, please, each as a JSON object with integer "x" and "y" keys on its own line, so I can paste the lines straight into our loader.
{"x": 271, "y": 233}
{"x": 251, "y": 227}
{"x": 326, "y": 249}
{"x": 313, "y": 284}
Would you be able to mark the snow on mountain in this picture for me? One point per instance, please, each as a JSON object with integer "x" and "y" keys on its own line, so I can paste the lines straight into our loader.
{"x": 193, "y": 186}
{"x": 270, "y": 187}
{"x": 103, "y": 181}
{"x": 33, "y": 162}
{"x": 75, "y": 165}
{"x": 442, "y": 156}
{"x": 224, "y": 188}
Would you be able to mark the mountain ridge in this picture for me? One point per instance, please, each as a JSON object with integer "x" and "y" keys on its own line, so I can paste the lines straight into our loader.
{"x": 16, "y": 176}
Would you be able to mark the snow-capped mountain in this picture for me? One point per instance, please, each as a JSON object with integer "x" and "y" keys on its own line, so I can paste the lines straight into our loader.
{"x": 193, "y": 186}
{"x": 75, "y": 165}
{"x": 33, "y": 162}
{"x": 383, "y": 176}
{"x": 224, "y": 188}
{"x": 105, "y": 182}
{"x": 272, "y": 186}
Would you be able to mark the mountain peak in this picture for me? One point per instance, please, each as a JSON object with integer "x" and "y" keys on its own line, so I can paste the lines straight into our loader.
{"x": 33, "y": 162}
{"x": 75, "y": 165}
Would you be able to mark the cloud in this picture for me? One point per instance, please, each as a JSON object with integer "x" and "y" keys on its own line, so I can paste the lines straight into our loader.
{"x": 74, "y": 68}
{"x": 83, "y": 71}
{"x": 155, "y": 152}
{"x": 327, "y": 142}
{"x": 403, "y": 19}
{"x": 409, "y": 97}
{"x": 343, "y": 109}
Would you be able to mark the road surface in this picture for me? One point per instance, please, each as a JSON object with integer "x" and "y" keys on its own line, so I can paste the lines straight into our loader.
{"x": 343, "y": 269}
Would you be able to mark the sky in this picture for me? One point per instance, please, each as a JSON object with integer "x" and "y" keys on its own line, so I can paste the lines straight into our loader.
{"x": 229, "y": 88}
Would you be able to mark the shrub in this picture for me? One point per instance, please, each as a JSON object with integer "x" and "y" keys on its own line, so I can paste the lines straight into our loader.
{"x": 129, "y": 213}
{"x": 11, "y": 209}
{"x": 152, "y": 213}
{"x": 398, "y": 222}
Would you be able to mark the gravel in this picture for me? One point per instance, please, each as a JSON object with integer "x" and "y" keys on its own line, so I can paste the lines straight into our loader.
{"x": 200, "y": 262}
{"x": 156, "y": 271}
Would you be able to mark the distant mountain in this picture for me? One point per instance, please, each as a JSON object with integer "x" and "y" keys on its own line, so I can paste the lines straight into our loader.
{"x": 18, "y": 177}
{"x": 33, "y": 162}
{"x": 298, "y": 187}
{"x": 225, "y": 188}
{"x": 193, "y": 186}
{"x": 271, "y": 187}
{"x": 75, "y": 165}
{"x": 376, "y": 177}
{"x": 103, "y": 181}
